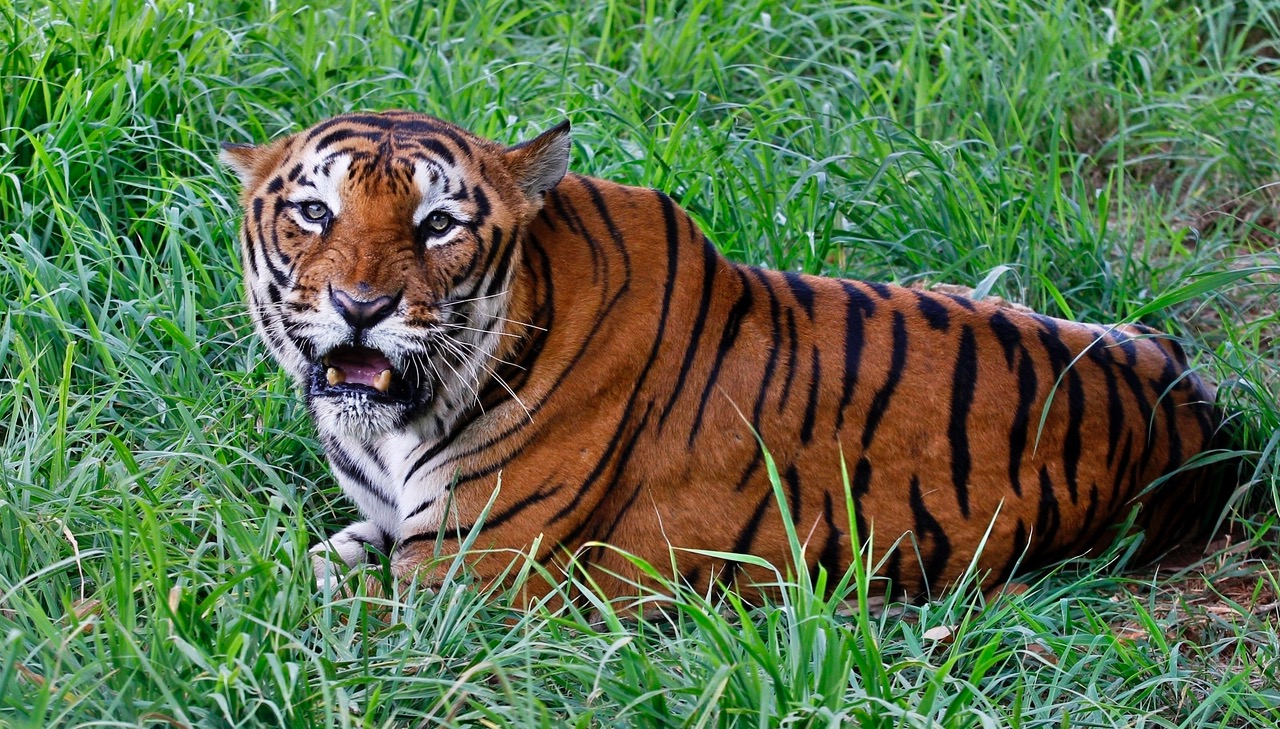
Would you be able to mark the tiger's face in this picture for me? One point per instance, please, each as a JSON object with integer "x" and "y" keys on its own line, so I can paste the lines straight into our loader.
{"x": 378, "y": 251}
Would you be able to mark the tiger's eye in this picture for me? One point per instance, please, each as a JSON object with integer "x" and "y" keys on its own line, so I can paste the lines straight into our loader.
{"x": 315, "y": 212}
{"x": 438, "y": 222}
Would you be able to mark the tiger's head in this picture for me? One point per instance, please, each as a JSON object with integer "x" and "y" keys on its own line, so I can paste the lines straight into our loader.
{"x": 378, "y": 252}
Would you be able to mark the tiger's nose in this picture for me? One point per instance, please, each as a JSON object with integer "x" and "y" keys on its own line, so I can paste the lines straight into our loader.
{"x": 361, "y": 314}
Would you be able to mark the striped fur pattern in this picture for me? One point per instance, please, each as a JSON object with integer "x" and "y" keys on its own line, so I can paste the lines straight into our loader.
{"x": 582, "y": 349}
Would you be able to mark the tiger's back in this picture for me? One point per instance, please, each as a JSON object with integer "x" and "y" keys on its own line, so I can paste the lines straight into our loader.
{"x": 635, "y": 365}
{"x": 931, "y": 402}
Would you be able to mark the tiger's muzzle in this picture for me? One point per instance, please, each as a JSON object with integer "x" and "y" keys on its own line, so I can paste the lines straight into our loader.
{"x": 357, "y": 372}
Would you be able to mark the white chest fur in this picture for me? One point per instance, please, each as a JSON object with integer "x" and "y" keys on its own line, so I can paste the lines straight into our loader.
{"x": 373, "y": 475}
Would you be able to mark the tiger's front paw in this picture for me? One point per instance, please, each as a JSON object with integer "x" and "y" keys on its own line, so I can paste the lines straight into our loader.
{"x": 331, "y": 558}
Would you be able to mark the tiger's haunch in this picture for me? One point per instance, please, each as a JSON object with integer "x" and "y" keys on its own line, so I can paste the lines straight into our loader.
{"x": 460, "y": 315}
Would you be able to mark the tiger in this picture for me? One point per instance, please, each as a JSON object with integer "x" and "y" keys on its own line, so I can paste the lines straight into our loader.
{"x": 504, "y": 356}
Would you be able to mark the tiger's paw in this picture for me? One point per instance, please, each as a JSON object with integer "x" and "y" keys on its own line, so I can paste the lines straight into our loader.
{"x": 331, "y": 558}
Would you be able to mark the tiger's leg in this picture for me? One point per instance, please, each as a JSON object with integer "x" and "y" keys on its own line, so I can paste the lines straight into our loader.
{"x": 349, "y": 546}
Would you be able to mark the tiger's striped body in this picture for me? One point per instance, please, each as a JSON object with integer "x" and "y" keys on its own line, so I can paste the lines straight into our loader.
{"x": 582, "y": 344}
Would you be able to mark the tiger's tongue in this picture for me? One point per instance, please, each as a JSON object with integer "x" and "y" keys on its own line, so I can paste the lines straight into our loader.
{"x": 360, "y": 366}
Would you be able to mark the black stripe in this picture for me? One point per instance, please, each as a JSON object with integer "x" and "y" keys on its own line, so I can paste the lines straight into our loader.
{"x": 792, "y": 347}
{"x": 860, "y": 485}
{"x": 830, "y": 558}
{"x": 1164, "y": 387}
{"x": 1027, "y": 386}
{"x": 1127, "y": 345}
{"x": 1138, "y": 391}
{"x": 1048, "y": 518}
{"x": 1087, "y": 537}
{"x": 742, "y": 545}
{"x": 893, "y": 573}
{"x": 599, "y": 263}
{"x": 881, "y": 290}
{"x": 1115, "y": 408}
{"x": 532, "y": 343}
{"x": 452, "y": 135}
{"x": 371, "y": 120}
{"x": 500, "y": 279}
{"x": 728, "y": 335}
{"x": 801, "y": 290}
{"x": 756, "y": 459}
{"x": 277, "y": 210}
{"x": 378, "y": 547}
{"x": 692, "y": 577}
{"x": 624, "y": 457}
{"x": 1072, "y": 446}
{"x": 483, "y": 208}
{"x": 858, "y": 308}
{"x": 963, "y": 384}
{"x": 775, "y": 327}
{"x": 344, "y": 464}
{"x": 277, "y": 275}
{"x": 372, "y": 454}
{"x": 792, "y": 477}
{"x": 270, "y": 318}
{"x": 544, "y": 215}
{"x": 602, "y": 208}
{"x": 1060, "y": 358}
{"x": 898, "y": 361}
{"x": 497, "y": 243}
{"x": 811, "y": 407}
{"x": 437, "y": 148}
{"x": 1016, "y": 549}
{"x": 427, "y": 455}
{"x": 251, "y": 255}
{"x": 420, "y": 508}
{"x": 463, "y": 193}
{"x": 927, "y": 527}
{"x": 1007, "y": 334}
{"x": 341, "y": 135}
{"x": 558, "y": 205}
{"x": 933, "y": 311}
{"x": 1126, "y": 456}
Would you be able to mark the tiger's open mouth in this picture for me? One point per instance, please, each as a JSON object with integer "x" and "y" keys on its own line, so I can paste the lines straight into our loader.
{"x": 361, "y": 372}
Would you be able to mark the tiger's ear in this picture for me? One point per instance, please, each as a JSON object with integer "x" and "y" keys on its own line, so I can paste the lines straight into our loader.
{"x": 539, "y": 164}
{"x": 251, "y": 164}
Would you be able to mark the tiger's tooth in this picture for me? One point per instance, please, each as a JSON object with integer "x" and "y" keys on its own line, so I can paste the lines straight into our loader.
{"x": 382, "y": 382}
{"x": 335, "y": 376}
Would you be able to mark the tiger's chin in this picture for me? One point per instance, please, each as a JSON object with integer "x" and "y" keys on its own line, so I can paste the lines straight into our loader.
{"x": 357, "y": 392}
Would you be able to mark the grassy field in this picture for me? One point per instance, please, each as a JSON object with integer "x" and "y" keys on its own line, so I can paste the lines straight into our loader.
{"x": 159, "y": 483}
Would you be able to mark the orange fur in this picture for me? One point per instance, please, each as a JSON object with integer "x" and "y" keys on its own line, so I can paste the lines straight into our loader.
{"x": 634, "y": 362}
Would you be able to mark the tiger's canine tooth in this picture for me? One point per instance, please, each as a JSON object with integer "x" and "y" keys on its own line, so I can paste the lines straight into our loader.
{"x": 335, "y": 376}
{"x": 382, "y": 382}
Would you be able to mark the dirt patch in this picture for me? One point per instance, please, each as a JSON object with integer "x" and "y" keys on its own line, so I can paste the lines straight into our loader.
{"x": 1222, "y": 602}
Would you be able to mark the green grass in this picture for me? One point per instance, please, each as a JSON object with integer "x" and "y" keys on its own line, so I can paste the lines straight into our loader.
{"x": 159, "y": 484}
